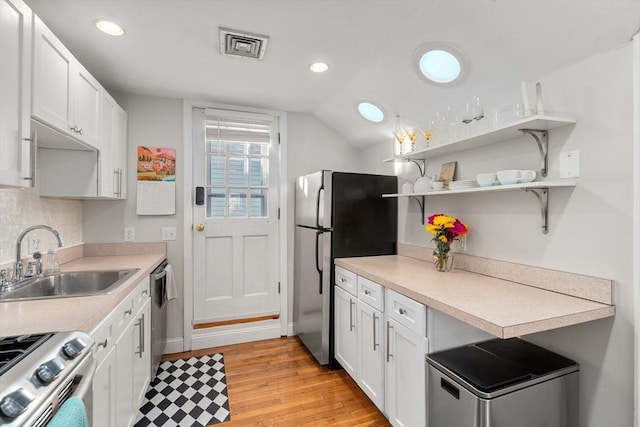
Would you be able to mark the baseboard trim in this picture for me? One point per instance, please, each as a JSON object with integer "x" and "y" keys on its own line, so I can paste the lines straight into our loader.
{"x": 174, "y": 345}
{"x": 234, "y": 334}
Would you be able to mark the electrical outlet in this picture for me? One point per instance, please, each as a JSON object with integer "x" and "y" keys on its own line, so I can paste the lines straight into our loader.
{"x": 34, "y": 243}
{"x": 129, "y": 234}
{"x": 460, "y": 244}
{"x": 168, "y": 233}
{"x": 570, "y": 164}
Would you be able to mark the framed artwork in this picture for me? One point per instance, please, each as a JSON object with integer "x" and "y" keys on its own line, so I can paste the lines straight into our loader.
{"x": 447, "y": 173}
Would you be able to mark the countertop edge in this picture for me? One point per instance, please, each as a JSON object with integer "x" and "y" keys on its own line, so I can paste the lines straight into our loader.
{"x": 513, "y": 329}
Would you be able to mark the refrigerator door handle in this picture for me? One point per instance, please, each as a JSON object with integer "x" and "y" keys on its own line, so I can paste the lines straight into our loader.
{"x": 318, "y": 233}
{"x": 320, "y": 191}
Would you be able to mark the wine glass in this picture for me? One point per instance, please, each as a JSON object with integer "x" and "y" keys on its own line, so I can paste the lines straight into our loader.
{"x": 467, "y": 115}
{"x": 477, "y": 109}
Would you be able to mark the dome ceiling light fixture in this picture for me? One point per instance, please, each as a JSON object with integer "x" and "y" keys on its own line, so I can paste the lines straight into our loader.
{"x": 371, "y": 112}
{"x": 440, "y": 63}
{"x": 319, "y": 67}
{"x": 109, "y": 27}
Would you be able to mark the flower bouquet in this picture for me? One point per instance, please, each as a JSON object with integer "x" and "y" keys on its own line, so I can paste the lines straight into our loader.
{"x": 445, "y": 230}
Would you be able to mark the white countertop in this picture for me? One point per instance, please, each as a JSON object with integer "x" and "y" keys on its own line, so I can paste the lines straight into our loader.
{"x": 500, "y": 307}
{"x": 76, "y": 313}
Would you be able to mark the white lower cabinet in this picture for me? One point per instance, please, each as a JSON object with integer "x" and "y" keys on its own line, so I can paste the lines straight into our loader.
{"x": 345, "y": 330}
{"x": 124, "y": 366}
{"x": 371, "y": 353}
{"x": 405, "y": 391}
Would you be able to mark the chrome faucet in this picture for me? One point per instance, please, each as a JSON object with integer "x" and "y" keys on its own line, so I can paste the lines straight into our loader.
{"x": 17, "y": 269}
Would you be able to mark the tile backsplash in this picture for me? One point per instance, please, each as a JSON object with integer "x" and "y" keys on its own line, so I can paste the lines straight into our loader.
{"x": 21, "y": 208}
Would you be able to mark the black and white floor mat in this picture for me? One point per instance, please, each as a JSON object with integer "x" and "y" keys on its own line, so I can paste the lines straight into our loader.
{"x": 187, "y": 393}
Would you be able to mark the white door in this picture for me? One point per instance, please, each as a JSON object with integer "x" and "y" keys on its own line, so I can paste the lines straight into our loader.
{"x": 235, "y": 160}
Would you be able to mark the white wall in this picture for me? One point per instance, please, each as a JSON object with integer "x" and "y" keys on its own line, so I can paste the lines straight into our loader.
{"x": 590, "y": 225}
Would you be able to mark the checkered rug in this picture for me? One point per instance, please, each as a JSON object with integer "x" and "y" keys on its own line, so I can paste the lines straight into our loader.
{"x": 187, "y": 393}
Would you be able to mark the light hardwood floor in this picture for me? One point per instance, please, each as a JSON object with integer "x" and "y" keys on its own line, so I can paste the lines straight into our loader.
{"x": 278, "y": 383}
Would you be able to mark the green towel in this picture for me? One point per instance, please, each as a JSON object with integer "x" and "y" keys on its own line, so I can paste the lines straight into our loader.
{"x": 72, "y": 413}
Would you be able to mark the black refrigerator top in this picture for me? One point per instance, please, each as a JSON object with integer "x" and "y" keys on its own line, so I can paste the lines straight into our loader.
{"x": 364, "y": 223}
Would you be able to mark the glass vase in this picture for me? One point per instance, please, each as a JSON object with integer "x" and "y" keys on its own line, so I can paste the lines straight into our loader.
{"x": 443, "y": 261}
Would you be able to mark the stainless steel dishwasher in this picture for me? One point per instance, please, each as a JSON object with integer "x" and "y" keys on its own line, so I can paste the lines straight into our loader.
{"x": 501, "y": 383}
{"x": 158, "y": 315}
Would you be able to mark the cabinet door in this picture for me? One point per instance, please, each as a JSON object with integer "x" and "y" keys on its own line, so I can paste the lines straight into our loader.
{"x": 86, "y": 102}
{"x": 142, "y": 354}
{"x": 52, "y": 74}
{"x": 345, "y": 344}
{"x": 104, "y": 392}
{"x": 15, "y": 87}
{"x": 120, "y": 150}
{"x": 405, "y": 399}
{"x": 125, "y": 411}
{"x": 371, "y": 353}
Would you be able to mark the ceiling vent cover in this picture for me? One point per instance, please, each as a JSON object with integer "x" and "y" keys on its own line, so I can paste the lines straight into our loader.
{"x": 241, "y": 43}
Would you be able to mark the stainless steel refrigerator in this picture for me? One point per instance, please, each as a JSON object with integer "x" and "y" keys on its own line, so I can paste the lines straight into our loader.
{"x": 338, "y": 215}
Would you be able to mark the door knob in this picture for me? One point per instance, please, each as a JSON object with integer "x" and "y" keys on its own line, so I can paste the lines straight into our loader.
{"x": 199, "y": 227}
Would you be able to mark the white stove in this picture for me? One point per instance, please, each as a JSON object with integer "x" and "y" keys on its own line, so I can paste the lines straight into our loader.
{"x": 38, "y": 373}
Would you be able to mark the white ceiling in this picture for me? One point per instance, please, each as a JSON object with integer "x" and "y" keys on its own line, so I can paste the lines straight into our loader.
{"x": 171, "y": 49}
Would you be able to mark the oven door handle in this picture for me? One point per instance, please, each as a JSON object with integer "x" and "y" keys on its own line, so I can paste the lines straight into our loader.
{"x": 160, "y": 275}
{"x": 85, "y": 379}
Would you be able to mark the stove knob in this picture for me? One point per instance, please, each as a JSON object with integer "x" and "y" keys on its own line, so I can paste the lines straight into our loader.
{"x": 48, "y": 371}
{"x": 15, "y": 403}
{"x": 73, "y": 348}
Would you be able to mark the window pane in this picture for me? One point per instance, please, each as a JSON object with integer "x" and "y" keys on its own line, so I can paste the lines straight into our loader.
{"x": 238, "y": 171}
{"x": 236, "y": 148}
{"x": 237, "y": 202}
{"x": 259, "y": 149}
{"x": 258, "y": 203}
{"x": 259, "y": 172}
{"x": 217, "y": 170}
{"x": 216, "y": 203}
{"x": 215, "y": 147}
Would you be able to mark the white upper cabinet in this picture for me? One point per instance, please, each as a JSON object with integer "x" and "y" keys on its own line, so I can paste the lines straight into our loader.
{"x": 65, "y": 95}
{"x": 112, "y": 149}
{"x": 15, "y": 94}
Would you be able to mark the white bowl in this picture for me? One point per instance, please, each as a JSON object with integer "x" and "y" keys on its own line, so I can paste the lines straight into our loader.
{"x": 507, "y": 114}
{"x": 486, "y": 179}
{"x": 437, "y": 185}
{"x": 508, "y": 177}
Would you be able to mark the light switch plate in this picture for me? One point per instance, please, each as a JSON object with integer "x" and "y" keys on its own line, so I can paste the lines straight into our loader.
{"x": 168, "y": 233}
{"x": 570, "y": 164}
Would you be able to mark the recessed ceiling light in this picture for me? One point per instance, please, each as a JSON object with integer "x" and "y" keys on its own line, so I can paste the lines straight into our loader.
{"x": 371, "y": 112}
{"x": 440, "y": 63}
{"x": 109, "y": 27}
{"x": 319, "y": 67}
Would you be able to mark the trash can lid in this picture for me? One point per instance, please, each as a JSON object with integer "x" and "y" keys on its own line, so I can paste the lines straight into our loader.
{"x": 496, "y": 364}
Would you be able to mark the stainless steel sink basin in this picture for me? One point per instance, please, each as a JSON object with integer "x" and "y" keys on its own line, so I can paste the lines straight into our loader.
{"x": 69, "y": 284}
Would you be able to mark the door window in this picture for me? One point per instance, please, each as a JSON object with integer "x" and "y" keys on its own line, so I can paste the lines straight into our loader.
{"x": 237, "y": 156}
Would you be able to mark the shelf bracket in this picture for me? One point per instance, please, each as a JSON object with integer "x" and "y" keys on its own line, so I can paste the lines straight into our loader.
{"x": 542, "y": 194}
{"x": 420, "y": 200}
{"x": 421, "y": 167}
{"x": 542, "y": 139}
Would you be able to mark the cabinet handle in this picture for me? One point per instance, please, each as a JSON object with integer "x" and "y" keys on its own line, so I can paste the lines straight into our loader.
{"x": 375, "y": 344}
{"x": 33, "y": 158}
{"x": 342, "y": 279}
{"x": 402, "y": 311}
{"x": 80, "y": 131}
{"x": 367, "y": 292}
{"x": 141, "y": 350}
{"x": 119, "y": 182}
{"x": 104, "y": 343}
{"x": 389, "y": 328}
{"x": 128, "y": 312}
{"x": 351, "y": 324}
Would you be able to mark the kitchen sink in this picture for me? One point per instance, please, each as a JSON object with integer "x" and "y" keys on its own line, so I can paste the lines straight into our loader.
{"x": 69, "y": 284}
